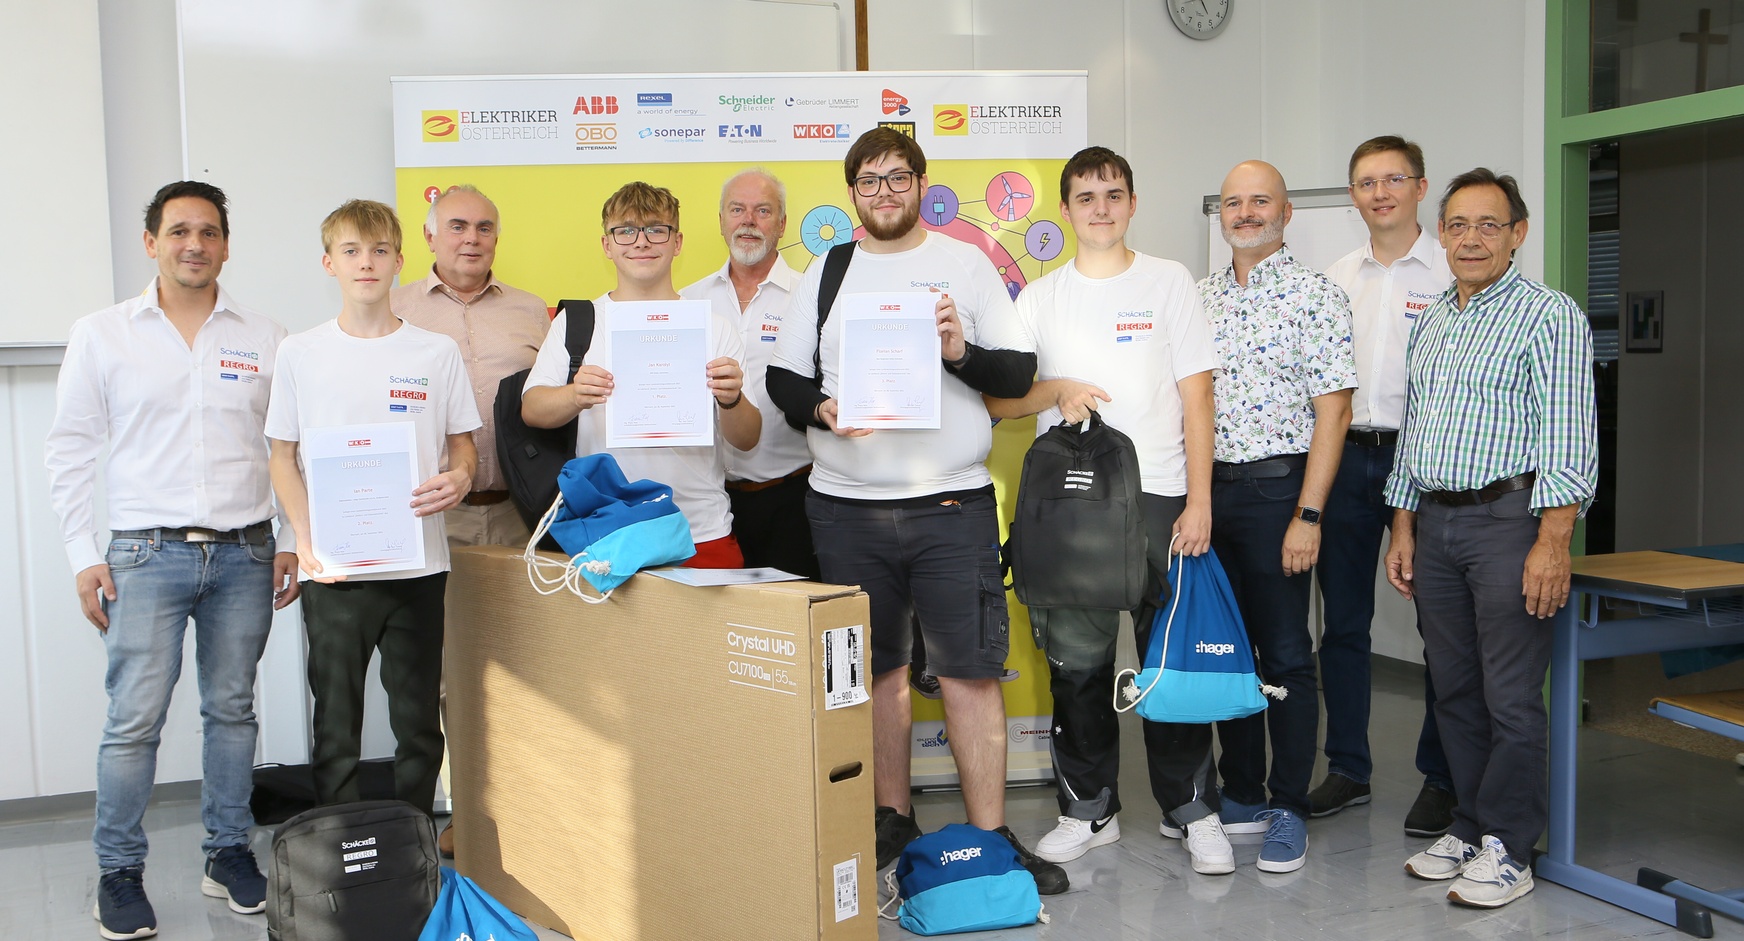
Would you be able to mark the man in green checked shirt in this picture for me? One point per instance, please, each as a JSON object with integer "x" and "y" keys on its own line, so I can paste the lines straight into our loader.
{"x": 1498, "y": 456}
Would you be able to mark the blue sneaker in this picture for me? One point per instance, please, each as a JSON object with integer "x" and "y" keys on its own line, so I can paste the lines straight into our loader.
{"x": 1286, "y": 846}
{"x": 1241, "y": 818}
{"x": 122, "y": 910}
{"x": 231, "y": 875}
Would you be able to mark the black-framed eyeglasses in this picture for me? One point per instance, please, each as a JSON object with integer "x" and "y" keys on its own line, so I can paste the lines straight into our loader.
{"x": 899, "y": 181}
{"x": 1395, "y": 182}
{"x": 656, "y": 234}
{"x": 1486, "y": 230}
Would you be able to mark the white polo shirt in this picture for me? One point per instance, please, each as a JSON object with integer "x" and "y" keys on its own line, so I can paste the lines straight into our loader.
{"x": 1385, "y": 302}
{"x": 184, "y": 424}
{"x": 697, "y": 476}
{"x": 1136, "y": 335}
{"x": 780, "y": 450}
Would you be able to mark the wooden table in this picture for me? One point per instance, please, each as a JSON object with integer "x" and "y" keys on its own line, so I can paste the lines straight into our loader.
{"x": 1684, "y": 601}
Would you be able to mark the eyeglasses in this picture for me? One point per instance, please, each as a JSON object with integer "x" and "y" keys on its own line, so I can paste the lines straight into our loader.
{"x": 626, "y": 234}
{"x": 900, "y": 181}
{"x": 1486, "y": 230}
{"x": 1395, "y": 182}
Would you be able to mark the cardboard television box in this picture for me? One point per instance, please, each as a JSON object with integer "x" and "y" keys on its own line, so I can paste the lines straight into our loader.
{"x": 673, "y": 763}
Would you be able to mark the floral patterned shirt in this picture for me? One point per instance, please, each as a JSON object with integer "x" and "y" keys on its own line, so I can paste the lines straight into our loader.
{"x": 1281, "y": 340}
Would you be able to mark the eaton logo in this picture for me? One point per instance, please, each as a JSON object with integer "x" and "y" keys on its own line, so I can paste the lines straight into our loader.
{"x": 654, "y": 99}
{"x": 748, "y": 132}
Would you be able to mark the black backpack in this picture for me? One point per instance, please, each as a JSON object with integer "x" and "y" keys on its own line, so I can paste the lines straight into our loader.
{"x": 1078, "y": 537}
{"x": 835, "y": 269}
{"x": 531, "y": 458}
{"x": 352, "y": 871}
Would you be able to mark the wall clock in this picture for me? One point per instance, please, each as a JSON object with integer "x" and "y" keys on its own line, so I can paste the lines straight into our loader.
{"x": 1199, "y": 19}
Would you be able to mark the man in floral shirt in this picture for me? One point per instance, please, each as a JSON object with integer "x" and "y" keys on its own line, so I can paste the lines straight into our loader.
{"x": 1282, "y": 397}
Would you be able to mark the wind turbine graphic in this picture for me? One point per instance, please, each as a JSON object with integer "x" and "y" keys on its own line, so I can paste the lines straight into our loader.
{"x": 1007, "y": 208}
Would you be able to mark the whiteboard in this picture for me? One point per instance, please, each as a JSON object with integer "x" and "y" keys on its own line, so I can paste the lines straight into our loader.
{"x": 1324, "y": 227}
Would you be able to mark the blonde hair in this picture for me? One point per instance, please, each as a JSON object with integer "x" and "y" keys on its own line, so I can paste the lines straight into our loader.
{"x": 640, "y": 204}
{"x": 372, "y": 221}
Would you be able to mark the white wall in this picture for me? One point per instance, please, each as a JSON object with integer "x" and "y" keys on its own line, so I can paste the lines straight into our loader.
{"x": 1298, "y": 82}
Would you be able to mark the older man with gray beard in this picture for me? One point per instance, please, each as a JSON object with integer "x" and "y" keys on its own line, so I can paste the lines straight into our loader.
{"x": 1282, "y": 402}
{"x": 767, "y": 484}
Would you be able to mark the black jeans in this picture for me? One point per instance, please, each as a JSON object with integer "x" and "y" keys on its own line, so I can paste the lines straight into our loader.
{"x": 346, "y": 622}
{"x": 1488, "y": 657}
{"x": 1080, "y": 647}
{"x": 1249, "y": 516}
{"x": 772, "y": 528}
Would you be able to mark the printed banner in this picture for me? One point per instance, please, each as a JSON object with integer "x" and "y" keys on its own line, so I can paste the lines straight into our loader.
{"x": 549, "y": 150}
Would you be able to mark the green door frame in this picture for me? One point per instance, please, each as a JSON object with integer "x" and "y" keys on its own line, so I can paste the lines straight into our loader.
{"x": 1569, "y": 127}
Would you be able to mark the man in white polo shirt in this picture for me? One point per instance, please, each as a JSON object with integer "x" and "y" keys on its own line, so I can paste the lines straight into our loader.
{"x": 175, "y": 382}
{"x": 768, "y": 483}
{"x": 642, "y": 239}
{"x": 1391, "y": 279}
{"x": 1122, "y": 333}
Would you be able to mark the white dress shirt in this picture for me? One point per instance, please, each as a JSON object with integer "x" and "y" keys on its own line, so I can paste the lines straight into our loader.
{"x": 1385, "y": 303}
{"x": 185, "y": 425}
{"x": 780, "y": 450}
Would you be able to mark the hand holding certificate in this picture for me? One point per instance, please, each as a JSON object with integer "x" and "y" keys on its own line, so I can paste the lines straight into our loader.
{"x": 889, "y": 373}
{"x": 658, "y": 354}
{"x": 360, "y": 480}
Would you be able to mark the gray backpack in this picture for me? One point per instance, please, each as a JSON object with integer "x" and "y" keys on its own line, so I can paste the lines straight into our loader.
{"x": 352, "y": 871}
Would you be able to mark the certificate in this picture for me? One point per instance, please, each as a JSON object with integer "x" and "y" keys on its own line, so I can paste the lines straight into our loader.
{"x": 889, "y": 374}
{"x": 361, "y": 479}
{"x": 658, "y": 355}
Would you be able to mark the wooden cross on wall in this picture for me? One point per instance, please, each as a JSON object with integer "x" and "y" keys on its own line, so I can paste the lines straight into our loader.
{"x": 1703, "y": 39}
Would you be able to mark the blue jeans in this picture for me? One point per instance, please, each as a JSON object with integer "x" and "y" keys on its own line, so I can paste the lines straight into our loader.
{"x": 1350, "y": 546}
{"x": 227, "y": 589}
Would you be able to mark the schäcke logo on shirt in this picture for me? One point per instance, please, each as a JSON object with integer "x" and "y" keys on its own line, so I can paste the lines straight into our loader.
{"x": 941, "y": 285}
{"x": 407, "y": 399}
{"x": 1416, "y": 302}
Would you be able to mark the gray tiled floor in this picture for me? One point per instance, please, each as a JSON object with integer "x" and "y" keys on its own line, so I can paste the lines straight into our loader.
{"x": 1645, "y": 805}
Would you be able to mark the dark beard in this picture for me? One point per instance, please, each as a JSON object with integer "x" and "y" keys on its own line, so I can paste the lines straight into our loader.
{"x": 903, "y": 225}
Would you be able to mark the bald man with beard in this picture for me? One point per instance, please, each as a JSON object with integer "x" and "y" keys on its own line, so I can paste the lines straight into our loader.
{"x": 1282, "y": 404}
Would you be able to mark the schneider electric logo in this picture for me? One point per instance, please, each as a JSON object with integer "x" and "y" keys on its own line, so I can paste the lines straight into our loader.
{"x": 747, "y": 102}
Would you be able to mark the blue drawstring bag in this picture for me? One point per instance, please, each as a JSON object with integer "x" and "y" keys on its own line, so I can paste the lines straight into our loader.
{"x": 962, "y": 878}
{"x": 611, "y": 527}
{"x": 1199, "y": 665}
{"x": 465, "y": 912}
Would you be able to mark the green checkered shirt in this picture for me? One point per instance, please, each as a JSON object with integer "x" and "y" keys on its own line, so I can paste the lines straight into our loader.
{"x": 1498, "y": 389}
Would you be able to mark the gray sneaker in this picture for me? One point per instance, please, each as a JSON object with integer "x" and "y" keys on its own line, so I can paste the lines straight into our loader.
{"x": 1446, "y": 859}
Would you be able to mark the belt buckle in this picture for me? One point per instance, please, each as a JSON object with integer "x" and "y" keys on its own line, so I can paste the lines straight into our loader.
{"x": 194, "y": 534}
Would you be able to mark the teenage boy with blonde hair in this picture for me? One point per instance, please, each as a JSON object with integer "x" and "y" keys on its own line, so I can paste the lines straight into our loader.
{"x": 345, "y": 372}
{"x": 642, "y": 239}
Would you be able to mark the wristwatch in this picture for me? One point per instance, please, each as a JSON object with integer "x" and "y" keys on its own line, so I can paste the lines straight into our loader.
{"x": 1309, "y": 515}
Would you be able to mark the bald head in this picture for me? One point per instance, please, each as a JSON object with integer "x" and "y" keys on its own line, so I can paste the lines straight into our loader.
{"x": 1254, "y": 207}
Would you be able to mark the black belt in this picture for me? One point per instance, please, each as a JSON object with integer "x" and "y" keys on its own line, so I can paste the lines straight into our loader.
{"x": 257, "y": 534}
{"x": 1268, "y": 467}
{"x": 1371, "y": 439}
{"x": 485, "y": 497}
{"x": 752, "y": 486}
{"x": 1488, "y": 493}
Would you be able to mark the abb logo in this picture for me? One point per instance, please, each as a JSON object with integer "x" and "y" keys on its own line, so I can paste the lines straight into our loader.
{"x": 597, "y": 104}
{"x": 357, "y": 443}
{"x": 406, "y": 394}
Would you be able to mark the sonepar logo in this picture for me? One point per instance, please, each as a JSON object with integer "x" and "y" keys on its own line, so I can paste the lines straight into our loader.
{"x": 441, "y": 127}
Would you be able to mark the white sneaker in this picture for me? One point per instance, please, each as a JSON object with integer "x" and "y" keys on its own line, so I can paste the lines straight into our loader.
{"x": 1492, "y": 879}
{"x": 1073, "y": 838}
{"x": 1209, "y": 847}
{"x": 1446, "y": 859}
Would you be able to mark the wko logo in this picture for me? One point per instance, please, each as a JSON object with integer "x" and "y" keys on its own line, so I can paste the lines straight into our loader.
{"x": 894, "y": 103}
{"x": 951, "y": 120}
{"x": 441, "y": 127}
{"x": 820, "y": 132}
{"x": 596, "y": 105}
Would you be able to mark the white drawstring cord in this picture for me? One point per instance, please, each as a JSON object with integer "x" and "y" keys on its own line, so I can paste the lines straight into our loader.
{"x": 1133, "y": 696}
{"x": 895, "y": 899}
{"x": 549, "y": 576}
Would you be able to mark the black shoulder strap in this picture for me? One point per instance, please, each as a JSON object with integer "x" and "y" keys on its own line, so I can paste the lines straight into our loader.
{"x": 580, "y": 333}
{"x": 835, "y": 269}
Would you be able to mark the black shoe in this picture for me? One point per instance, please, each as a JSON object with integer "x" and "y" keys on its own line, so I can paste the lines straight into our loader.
{"x": 895, "y": 831}
{"x": 1050, "y": 879}
{"x": 122, "y": 910}
{"x": 1335, "y": 794}
{"x": 1432, "y": 813}
{"x": 925, "y": 684}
